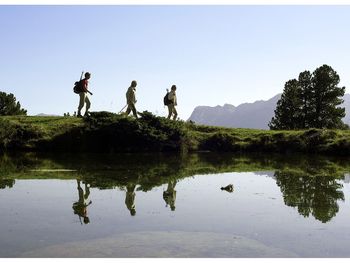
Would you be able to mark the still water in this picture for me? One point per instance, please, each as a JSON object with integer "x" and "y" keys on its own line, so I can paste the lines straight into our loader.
{"x": 173, "y": 206}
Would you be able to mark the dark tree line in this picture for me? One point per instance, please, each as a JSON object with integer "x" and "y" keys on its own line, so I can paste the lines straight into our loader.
{"x": 9, "y": 106}
{"x": 311, "y": 101}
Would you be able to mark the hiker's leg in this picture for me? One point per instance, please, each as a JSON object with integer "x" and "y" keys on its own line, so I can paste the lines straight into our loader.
{"x": 88, "y": 104}
{"x": 128, "y": 110}
{"x": 175, "y": 113}
{"x": 134, "y": 112}
{"x": 170, "y": 111}
{"x": 81, "y": 102}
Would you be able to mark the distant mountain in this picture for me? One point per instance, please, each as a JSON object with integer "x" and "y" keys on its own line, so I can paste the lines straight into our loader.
{"x": 247, "y": 115}
{"x": 254, "y": 115}
{"x": 47, "y": 115}
{"x": 346, "y": 104}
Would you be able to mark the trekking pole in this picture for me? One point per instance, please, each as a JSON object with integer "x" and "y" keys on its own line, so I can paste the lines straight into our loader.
{"x": 122, "y": 108}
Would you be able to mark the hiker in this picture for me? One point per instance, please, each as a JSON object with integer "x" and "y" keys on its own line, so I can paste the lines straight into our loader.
{"x": 84, "y": 99}
{"x": 172, "y": 103}
{"x": 169, "y": 195}
{"x": 131, "y": 99}
{"x": 80, "y": 207}
{"x": 130, "y": 198}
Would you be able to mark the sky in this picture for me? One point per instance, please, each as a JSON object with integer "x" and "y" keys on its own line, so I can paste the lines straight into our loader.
{"x": 214, "y": 54}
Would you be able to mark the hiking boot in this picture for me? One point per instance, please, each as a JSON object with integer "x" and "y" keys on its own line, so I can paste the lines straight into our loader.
{"x": 79, "y": 116}
{"x": 86, "y": 114}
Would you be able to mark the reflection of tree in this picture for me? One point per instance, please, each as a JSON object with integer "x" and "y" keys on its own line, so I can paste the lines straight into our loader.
{"x": 169, "y": 195}
{"x": 6, "y": 183}
{"x": 316, "y": 195}
{"x": 304, "y": 180}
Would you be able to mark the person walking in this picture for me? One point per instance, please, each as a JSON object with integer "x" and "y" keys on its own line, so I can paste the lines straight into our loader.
{"x": 172, "y": 103}
{"x": 83, "y": 96}
{"x": 131, "y": 99}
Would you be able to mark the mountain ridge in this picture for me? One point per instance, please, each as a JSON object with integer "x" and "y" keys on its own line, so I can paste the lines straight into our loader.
{"x": 254, "y": 115}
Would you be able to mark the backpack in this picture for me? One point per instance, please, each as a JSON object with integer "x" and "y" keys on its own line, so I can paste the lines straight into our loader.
{"x": 78, "y": 86}
{"x": 166, "y": 99}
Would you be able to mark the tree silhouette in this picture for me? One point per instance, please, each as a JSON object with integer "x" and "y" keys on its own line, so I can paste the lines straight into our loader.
{"x": 310, "y": 102}
{"x": 287, "y": 113}
{"x": 9, "y": 106}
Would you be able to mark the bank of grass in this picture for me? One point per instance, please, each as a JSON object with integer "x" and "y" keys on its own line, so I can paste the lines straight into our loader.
{"x": 108, "y": 132}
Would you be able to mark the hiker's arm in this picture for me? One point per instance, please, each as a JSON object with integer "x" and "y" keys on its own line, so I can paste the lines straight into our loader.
{"x": 85, "y": 87}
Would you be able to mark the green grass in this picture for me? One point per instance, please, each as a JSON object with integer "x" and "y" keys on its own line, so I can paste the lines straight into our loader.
{"x": 108, "y": 132}
{"x": 47, "y": 125}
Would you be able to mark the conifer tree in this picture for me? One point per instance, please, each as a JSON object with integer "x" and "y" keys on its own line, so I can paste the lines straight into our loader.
{"x": 312, "y": 101}
{"x": 9, "y": 106}
{"x": 287, "y": 113}
{"x": 306, "y": 95}
{"x": 327, "y": 97}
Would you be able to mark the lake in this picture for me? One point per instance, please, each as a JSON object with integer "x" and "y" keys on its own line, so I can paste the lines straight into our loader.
{"x": 167, "y": 205}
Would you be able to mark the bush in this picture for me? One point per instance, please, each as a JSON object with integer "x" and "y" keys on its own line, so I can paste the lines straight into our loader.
{"x": 221, "y": 141}
{"x": 16, "y": 135}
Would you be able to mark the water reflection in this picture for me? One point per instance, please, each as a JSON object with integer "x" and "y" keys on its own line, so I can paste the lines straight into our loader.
{"x": 315, "y": 195}
{"x": 6, "y": 183}
{"x": 80, "y": 207}
{"x": 130, "y": 198}
{"x": 312, "y": 185}
{"x": 169, "y": 195}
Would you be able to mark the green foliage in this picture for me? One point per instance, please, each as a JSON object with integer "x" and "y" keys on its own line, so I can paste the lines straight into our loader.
{"x": 14, "y": 135}
{"x": 327, "y": 97}
{"x": 221, "y": 141}
{"x": 108, "y": 132}
{"x": 9, "y": 106}
{"x": 311, "y": 102}
{"x": 287, "y": 113}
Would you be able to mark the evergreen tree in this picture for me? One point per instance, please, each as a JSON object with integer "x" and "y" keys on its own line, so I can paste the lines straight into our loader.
{"x": 287, "y": 113}
{"x": 306, "y": 95}
{"x": 9, "y": 106}
{"x": 311, "y": 102}
{"x": 327, "y": 96}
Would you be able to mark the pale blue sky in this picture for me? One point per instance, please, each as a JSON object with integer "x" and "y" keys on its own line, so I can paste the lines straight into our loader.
{"x": 214, "y": 54}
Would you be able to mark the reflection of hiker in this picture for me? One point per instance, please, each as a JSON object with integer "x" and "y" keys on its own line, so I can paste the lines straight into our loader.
{"x": 172, "y": 103}
{"x": 80, "y": 207}
{"x": 130, "y": 198}
{"x": 131, "y": 99}
{"x": 84, "y": 99}
{"x": 169, "y": 195}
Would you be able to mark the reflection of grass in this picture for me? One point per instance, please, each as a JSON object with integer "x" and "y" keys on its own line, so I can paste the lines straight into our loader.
{"x": 310, "y": 184}
{"x": 151, "y": 170}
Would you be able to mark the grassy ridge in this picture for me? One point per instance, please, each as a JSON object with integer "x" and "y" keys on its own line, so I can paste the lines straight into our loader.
{"x": 108, "y": 132}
